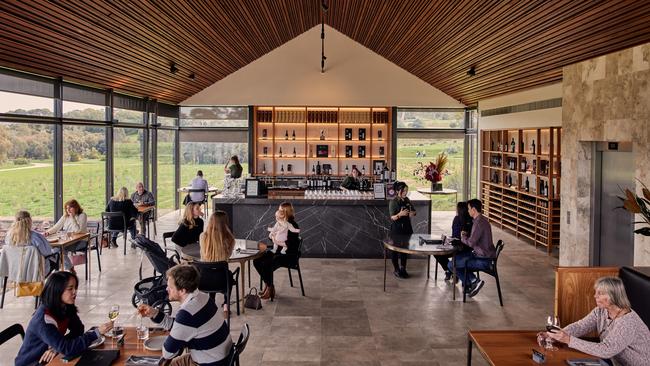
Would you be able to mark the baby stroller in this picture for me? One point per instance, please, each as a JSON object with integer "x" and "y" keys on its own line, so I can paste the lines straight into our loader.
{"x": 153, "y": 290}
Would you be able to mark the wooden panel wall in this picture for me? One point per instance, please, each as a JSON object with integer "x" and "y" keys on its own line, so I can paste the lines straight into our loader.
{"x": 574, "y": 291}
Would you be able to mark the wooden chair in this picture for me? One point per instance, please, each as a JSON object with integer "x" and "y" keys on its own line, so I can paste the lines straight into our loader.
{"x": 492, "y": 271}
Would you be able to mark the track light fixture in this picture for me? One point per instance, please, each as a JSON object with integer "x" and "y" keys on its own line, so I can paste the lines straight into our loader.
{"x": 172, "y": 68}
{"x": 324, "y": 6}
{"x": 322, "y": 41}
{"x": 471, "y": 71}
{"x": 192, "y": 76}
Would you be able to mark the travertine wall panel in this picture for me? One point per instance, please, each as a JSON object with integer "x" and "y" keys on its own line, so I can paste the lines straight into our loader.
{"x": 604, "y": 99}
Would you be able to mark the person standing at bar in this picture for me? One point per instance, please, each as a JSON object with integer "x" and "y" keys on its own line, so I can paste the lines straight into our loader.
{"x": 352, "y": 182}
{"x": 401, "y": 210}
{"x": 234, "y": 168}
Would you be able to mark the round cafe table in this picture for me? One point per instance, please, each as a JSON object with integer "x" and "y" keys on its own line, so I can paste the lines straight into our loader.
{"x": 419, "y": 244}
{"x": 245, "y": 251}
{"x": 443, "y": 192}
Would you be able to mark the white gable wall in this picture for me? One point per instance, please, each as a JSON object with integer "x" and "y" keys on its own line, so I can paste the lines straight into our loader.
{"x": 354, "y": 76}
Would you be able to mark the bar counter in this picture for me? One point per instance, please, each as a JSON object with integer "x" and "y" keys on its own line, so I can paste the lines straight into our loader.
{"x": 330, "y": 228}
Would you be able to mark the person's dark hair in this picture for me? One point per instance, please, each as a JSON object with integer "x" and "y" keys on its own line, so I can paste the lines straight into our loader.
{"x": 199, "y": 173}
{"x": 357, "y": 170}
{"x": 399, "y": 186}
{"x": 476, "y": 204}
{"x": 462, "y": 210}
{"x": 289, "y": 212}
{"x": 53, "y": 290}
{"x": 186, "y": 277}
{"x": 235, "y": 159}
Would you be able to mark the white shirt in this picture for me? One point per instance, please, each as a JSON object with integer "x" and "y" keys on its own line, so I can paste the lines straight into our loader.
{"x": 198, "y": 183}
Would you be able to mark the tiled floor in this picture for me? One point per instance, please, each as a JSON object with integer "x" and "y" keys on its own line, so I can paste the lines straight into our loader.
{"x": 346, "y": 318}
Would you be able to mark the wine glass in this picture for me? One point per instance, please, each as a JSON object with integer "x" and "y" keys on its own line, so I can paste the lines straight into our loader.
{"x": 552, "y": 324}
{"x": 112, "y": 316}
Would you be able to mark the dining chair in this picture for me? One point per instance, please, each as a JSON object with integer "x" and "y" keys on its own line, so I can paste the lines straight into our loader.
{"x": 204, "y": 201}
{"x": 12, "y": 331}
{"x": 92, "y": 244}
{"x": 492, "y": 271}
{"x": 295, "y": 266}
{"x": 216, "y": 277}
{"x": 107, "y": 218}
{"x": 239, "y": 347}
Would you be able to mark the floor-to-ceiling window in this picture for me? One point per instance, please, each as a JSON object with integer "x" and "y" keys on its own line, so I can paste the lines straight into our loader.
{"x": 166, "y": 189}
{"x": 422, "y": 135}
{"x": 128, "y": 157}
{"x": 84, "y": 167}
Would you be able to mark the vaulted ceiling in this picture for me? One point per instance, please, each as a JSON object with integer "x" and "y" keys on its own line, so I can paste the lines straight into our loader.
{"x": 129, "y": 45}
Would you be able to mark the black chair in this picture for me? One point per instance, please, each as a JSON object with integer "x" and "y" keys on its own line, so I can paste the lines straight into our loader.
{"x": 492, "y": 271}
{"x": 295, "y": 265}
{"x": 203, "y": 201}
{"x": 239, "y": 347}
{"x": 93, "y": 244}
{"x": 106, "y": 219}
{"x": 17, "y": 329}
{"x": 152, "y": 218}
{"x": 171, "y": 247}
{"x": 217, "y": 278}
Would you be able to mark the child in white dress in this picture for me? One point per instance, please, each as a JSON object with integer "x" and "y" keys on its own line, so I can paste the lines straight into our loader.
{"x": 279, "y": 232}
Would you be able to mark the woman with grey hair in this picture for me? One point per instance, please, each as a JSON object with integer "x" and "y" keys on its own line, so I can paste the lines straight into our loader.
{"x": 624, "y": 337}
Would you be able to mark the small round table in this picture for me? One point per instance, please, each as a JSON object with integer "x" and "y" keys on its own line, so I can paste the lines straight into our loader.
{"x": 419, "y": 244}
{"x": 443, "y": 192}
{"x": 245, "y": 251}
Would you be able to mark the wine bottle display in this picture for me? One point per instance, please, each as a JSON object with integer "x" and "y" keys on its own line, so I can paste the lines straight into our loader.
{"x": 293, "y": 135}
{"x": 362, "y": 134}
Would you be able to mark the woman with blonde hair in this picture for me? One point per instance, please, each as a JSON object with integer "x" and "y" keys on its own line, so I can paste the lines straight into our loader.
{"x": 21, "y": 234}
{"x": 74, "y": 220}
{"x": 217, "y": 242}
{"x": 122, "y": 203}
{"x": 624, "y": 337}
{"x": 190, "y": 226}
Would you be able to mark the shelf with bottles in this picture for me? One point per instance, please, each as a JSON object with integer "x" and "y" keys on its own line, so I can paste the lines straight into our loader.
{"x": 264, "y": 115}
{"x": 322, "y": 115}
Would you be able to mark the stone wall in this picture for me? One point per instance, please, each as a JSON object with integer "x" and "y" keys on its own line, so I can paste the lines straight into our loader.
{"x": 604, "y": 99}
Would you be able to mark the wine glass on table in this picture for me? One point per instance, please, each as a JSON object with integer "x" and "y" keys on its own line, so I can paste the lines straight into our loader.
{"x": 142, "y": 330}
{"x": 113, "y": 313}
{"x": 552, "y": 325}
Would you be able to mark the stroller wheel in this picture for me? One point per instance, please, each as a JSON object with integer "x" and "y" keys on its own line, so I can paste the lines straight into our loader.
{"x": 164, "y": 306}
{"x": 135, "y": 301}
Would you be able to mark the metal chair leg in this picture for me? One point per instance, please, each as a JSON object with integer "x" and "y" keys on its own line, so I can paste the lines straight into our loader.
{"x": 496, "y": 277}
{"x": 125, "y": 241}
{"x": 86, "y": 264}
{"x": 4, "y": 290}
{"x": 302, "y": 288}
{"x": 464, "y": 283}
{"x": 99, "y": 261}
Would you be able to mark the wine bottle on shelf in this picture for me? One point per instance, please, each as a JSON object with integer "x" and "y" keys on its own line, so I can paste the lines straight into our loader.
{"x": 491, "y": 145}
{"x": 393, "y": 175}
{"x": 313, "y": 170}
{"x": 294, "y": 152}
{"x": 293, "y": 135}
{"x": 282, "y": 169}
{"x": 286, "y": 134}
{"x": 322, "y": 134}
{"x": 318, "y": 168}
{"x": 533, "y": 147}
{"x": 512, "y": 145}
{"x": 347, "y": 171}
{"x": 266, "y": 150}
{"x": 527, "y": 185}
{"x": 379, "y": 134}
{"x": 362, "y": 134}
{"x": 264, "y": 168}
{"x": 264, "y": 134}
{"x": 280, "y": 151}
{"x": 381, "y": 151}
{"x": 363, "y": 170}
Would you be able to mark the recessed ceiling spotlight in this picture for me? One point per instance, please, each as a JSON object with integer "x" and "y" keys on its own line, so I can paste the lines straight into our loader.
{"x": 172, "y": 68}
{"x": 471, "y": 71}
{"x": 192, "y": 76}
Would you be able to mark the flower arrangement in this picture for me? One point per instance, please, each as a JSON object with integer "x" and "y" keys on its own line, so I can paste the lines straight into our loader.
{"x": 434, "y": 171}
{"x": 638, "y": 205}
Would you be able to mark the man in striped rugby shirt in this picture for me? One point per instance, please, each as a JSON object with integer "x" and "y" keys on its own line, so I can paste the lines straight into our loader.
{"x": 198, "y": 326}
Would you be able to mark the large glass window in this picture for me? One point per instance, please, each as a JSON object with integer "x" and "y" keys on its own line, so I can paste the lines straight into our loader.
{"x": 166, "y": 121}
{"x": 26, "y": 170}
{"x": 214, "y": 116}
{"x": 430, "y": 119}
{"x": 166, "y": 189}
{"x": 210, "y": 157}
{"x": 84, "y": 167}
{"x": 127, "y": 157}
{"x": 85, "y": 111}
{"x": 30, "y": 105}
{"x": 413, "y": 151}
{"x": 128, "y": 116}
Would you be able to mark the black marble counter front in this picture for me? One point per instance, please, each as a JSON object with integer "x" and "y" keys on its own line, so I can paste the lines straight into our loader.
{"x": 329, "y": 228}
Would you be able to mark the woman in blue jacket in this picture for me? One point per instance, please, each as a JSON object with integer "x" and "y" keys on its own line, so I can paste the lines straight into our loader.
{"x": 46, "y": 333}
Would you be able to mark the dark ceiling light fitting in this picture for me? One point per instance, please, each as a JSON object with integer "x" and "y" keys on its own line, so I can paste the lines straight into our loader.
{"x": 471, "y": 71}
{"x": 192, "y": 76}
{"x": 172, "y": 68}
{"x": 324, "y": 8}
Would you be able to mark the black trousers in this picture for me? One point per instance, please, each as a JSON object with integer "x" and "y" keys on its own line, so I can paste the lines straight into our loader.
{"x": 269, "y": 262}
{"x": 402, "y": 258}
{"x": 443, "y": 260}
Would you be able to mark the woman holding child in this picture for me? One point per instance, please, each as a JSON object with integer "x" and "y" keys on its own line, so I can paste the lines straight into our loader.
{"x": 281, "y": 255}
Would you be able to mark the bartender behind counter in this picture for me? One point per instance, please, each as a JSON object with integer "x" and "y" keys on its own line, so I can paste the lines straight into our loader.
{"x": 352, "y": 182}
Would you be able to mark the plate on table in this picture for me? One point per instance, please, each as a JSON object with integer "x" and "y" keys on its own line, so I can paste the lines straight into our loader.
{"x": 52, "y": 239}
{"x": 98, "y": 342}
{"x": 155, "y": 343}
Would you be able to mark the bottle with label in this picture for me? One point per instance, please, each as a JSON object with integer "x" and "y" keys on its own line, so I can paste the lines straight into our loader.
{"x": 318, "y": 171}
{"x": 379, "y": 134}
{"x": 347, "y": 171}
{"x": 393, "y": 175}
{"x": 293, "y": 135}
{"x": 363, "y": 170}
{"x": 286, "y": 134}
{"x": 527, "y": 185}
{"x": 533, "y": 147}
{"x": 322, "y": 134}
{"x": 264, "y": 134}
{"x": 294, "y": 152}
{"x": 362, "y": 134}
{"x": 282, "y": 169}
{"x": 512, "y": 145}
{"x": 264, "y": 168}
{"x": 313, "y": 170}
{"x": 280, "y": 152}
{"x": 266, "y": 150}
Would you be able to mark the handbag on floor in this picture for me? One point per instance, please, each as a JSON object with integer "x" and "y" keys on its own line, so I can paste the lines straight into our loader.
{"x": 252, "y": 300}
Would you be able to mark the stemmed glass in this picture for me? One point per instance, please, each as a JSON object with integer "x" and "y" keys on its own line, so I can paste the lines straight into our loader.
{"x": 552, "y": 324}
{"x": 142, "y": 330}
{"x": 112, "y": 316}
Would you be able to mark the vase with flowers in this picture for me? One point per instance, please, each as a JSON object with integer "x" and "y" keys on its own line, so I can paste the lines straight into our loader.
{"x": 434, "y": 171}
{"x": 638, "y": 205}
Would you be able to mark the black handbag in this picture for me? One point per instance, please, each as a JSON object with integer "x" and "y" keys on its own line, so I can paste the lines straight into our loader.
{"x": 252, "y": 300}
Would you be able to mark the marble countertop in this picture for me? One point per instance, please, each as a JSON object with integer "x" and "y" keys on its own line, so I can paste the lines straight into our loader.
{"x": 414, "y": 196}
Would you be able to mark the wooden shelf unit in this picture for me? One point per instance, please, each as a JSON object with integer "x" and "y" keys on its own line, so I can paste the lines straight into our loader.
{"x": 300, "y": 129}
{"x": 520, "y": 184}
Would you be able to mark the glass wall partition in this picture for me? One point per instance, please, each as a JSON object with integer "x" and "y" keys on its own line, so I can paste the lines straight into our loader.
{"x": 26, "y": 170}
{"x": 166, "y": 189}
{"x": 84, "y": 167}
{"x": 128, "y": 157}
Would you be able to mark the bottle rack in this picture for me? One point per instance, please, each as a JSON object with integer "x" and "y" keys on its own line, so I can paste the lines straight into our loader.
{"x": 520, "y": 182}
{"x": 341, "y": 137}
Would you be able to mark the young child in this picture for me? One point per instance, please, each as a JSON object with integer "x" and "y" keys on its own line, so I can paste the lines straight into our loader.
{"x": 279, "y": 232}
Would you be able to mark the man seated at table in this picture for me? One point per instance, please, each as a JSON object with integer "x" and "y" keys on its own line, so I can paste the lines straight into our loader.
{"x": 483, "y": 250}
{"x": 198, "y": 326}
{"x": 142, "y": 197}
{"x": 197, "y": 183}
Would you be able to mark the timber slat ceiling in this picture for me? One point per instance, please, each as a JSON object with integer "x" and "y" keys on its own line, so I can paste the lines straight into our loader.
{"x": 129, "y": 45}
